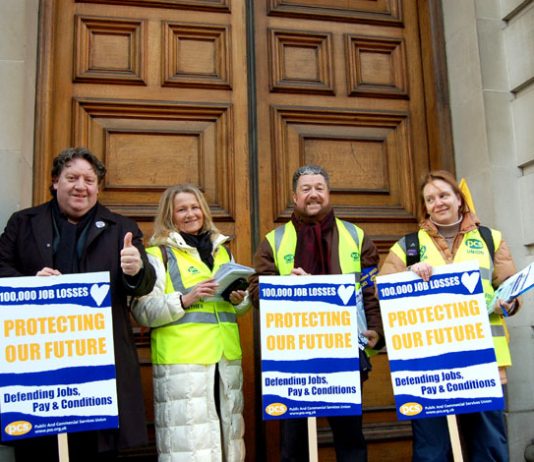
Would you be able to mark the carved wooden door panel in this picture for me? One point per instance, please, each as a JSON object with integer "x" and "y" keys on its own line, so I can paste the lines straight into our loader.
{"x": 159, "y": 90}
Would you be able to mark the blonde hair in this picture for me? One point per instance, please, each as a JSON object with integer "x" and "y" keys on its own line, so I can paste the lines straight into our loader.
{"x": 448, "y": 178}
{"x": 164, "y": 224}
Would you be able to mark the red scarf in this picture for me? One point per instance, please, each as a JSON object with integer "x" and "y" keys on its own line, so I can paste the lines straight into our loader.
{"x": 314, "y": 243}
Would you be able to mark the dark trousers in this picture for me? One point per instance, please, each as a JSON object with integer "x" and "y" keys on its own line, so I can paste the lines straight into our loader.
{"x": 349, "y": 442}
{"x": 82, "y": 448}
{"x": 483, "y": 436}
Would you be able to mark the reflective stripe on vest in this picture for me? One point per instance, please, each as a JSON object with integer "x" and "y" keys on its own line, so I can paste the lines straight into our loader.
{"x": 205, "y": 318}
{"x": 208, "y": 329}
{"x": 472, "y": 247}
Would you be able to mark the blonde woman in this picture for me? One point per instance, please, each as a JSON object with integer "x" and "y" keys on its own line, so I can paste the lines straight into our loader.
{"x": 196, "y": 351}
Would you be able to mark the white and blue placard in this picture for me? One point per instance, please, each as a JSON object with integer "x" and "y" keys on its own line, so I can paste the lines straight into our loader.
{"x": 57, "y": 363}
{"x": 439, "y": 342}
{"x": 309, "y": 343}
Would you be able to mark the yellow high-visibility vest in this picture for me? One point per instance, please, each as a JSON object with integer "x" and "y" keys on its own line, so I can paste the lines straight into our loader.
{"x": 208, "y": 330}
{"x": 472, "y": 247}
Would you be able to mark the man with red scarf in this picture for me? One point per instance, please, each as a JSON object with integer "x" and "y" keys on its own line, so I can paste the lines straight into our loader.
{"x": 316, "y": 250}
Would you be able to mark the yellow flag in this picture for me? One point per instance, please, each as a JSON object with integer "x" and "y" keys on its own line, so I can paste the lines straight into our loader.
{"x": 467, "y": 194}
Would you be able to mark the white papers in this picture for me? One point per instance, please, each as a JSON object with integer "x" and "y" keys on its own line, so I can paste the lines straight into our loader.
{"x": 230, "y": 272}
{"x": 516, "y": 285}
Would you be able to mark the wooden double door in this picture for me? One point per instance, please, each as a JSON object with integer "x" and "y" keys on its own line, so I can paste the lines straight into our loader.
{"x": 233, "y": 95}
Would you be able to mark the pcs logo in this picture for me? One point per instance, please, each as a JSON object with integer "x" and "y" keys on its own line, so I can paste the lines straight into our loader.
{"x": 410, "y": 409}
{"x": 18, "y": 428}
{"x": 474, "y": 244}
{"x": 276, "y": 409}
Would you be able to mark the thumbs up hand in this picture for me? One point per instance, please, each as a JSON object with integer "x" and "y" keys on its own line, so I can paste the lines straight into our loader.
{"x": 131, "y": 262}
{"x": 128, "y": 240}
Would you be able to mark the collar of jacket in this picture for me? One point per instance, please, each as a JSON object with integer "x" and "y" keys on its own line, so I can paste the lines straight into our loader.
{"x": 469, "y": 223}
{"x": 175, "y": 239}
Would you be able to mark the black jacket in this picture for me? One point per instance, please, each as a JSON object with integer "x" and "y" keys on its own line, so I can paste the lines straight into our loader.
{"x": 26, "y": 247}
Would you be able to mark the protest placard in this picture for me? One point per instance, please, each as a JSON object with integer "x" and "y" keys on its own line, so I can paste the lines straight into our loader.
{"x": 439, "y": 342}
{"x": 309, "y": 343}
{"x": 57, "y": 366}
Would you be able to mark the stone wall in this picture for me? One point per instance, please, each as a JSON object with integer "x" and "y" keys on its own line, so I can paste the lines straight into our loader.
{"x": 18, "y": 60}
{"x": 490, "y": 58}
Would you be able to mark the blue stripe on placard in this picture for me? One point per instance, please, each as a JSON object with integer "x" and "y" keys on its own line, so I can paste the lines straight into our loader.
{"x": 407, "y": 398}
{"x": 450, "y": 283}
{"x": 44, "y": 426}
{"x": 91, "y": 295}
{"x": 311, "y": 366}
{"x": 269, "y": 398}
{"x": 67, "y": 375}
{"x": 327, "y": 293}
{"x": 303, "y": 409}
{"x": 447, "y": 406}
{"x": 444, "y": 361}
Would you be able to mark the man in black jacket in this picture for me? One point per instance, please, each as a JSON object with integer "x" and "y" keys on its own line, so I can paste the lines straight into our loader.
{"x": 74, "y": 233}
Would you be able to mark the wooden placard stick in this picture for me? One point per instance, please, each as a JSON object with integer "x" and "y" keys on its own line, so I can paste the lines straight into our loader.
{"x": 63, "y": 447}
{"x": 454, "y": 435}
{"x": 312, "y": 439}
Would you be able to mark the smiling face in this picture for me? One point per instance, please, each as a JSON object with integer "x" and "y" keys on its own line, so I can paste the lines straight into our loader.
{"x": 312, "y": 196}
{"x": 76, "y": 189}
{"x": 187, "y": 214}
{"x": 441, "y": 202}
